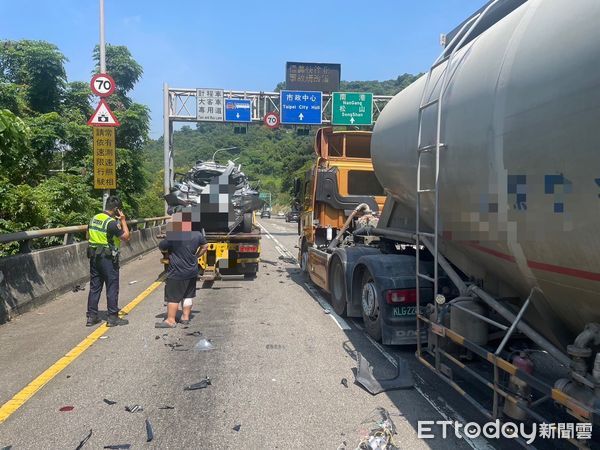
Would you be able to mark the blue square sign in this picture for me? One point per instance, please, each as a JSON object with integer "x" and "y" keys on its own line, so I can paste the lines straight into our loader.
{"x": 301, "y": 107}
{"x": 238, "y": 110}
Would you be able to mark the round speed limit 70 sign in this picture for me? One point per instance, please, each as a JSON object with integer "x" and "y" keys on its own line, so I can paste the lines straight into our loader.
{"x": 102, "y": 85}
{"x": 272, "y": 120}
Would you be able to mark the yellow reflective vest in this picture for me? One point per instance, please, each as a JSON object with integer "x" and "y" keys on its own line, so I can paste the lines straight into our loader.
{"x": 98, "y": 231}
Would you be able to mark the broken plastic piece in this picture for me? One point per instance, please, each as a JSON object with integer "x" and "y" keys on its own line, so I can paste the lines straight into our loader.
{"x": 364, "y": 376}
{"x": 134, "y": 408}
{"x": 118, "y": 447}
{"x": 85, "y": 439}
{"x": 166, "y": 407}
{"x": 327, "y": 311}
{"x": 204, "y": 345}
{"x": 237, "y": 427}
{"x": 344, "y": 382}
{"x": 149, "y": 431}
{"x": 200, "y": 385}
{"x": 194, "y": 333}
{"x": 133, "y": 282}
{"x": 66, "y": 408}
{"x": 109, "y": 402}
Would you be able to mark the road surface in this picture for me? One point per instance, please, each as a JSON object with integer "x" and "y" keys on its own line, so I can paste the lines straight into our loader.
{"x": 276, "y": 371}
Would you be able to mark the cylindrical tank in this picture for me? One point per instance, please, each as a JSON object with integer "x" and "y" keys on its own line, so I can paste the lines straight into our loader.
{"x": 520, "y": 176}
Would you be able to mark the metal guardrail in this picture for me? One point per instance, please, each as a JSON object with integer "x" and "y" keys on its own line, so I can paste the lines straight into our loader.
{"x": 25, "y": 237}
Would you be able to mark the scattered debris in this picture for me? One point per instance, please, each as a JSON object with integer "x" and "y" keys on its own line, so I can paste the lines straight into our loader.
{"x": 281, "y": 281}
{"x": 68, "y": 376}
{"x": 166, "y": 407}
{"x": 133, "y": 282}
{"x": 275, "y": 347}
{"x": 381, "y": 432}
{"x": 344, "y": 382}
{"x": 78, "y": 288}
{"x": 66, "y": 408}
{"x": 173, "y": 345}
{"x": 118, "y": 447}
{"x": 237, "y": 427}
{"x": 204, "y": 345}
{"x": 327, "y": 311}
{"x": 85, "y": 439}
{"x": 134, "y": 408}
{"x": 364, "y": 376}
{"x": 149, "y": 431}
{"x": 200, "y": 385}
{"x": 109, "y": 402}
{"x": 156, "y": 338}
{"x": 103, "y": 337}
{"x": 194, "y": 333}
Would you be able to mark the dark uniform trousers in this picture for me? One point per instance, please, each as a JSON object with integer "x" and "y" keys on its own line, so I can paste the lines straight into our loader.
{"x": 103, "y": 270}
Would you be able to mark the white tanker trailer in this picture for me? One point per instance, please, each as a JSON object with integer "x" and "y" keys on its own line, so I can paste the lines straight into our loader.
{"x": 491, "y": 166}
{"x": 506, "y": 130}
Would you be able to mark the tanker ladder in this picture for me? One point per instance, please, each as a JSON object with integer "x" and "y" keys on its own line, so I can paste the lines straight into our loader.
{"x": 426, "y": 103}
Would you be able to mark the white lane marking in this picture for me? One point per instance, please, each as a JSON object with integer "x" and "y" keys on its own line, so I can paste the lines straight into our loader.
{"x": 282, "y": 248}
{"x": 313, "y": 291}
{"x": 326, "y": 306}
{"x": 478, "y": 443}
{"x": 475, "y": 443}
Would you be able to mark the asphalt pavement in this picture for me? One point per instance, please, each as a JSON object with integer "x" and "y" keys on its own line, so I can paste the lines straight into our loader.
{"x": 276, "y": 369}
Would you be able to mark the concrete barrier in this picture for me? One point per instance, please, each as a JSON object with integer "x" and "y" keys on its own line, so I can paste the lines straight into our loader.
{"x": 30, "y": 279}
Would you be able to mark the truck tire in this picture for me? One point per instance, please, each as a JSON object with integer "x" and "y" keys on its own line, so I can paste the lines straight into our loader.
{"x": 247, "y": 223}
{"x": 304, "y": 258}
{"x": 370, "y": 306}
{"x": 337, "y": 286}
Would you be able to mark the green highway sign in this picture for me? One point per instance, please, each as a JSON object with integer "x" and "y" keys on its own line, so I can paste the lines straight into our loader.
{"x": 352, "y": 108}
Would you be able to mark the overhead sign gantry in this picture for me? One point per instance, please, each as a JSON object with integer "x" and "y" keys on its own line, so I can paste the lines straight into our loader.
{"x": 294, "y": 108}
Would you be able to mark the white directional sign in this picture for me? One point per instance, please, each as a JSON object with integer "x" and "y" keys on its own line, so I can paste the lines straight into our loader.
{"x": 102, "y": 85}
{"x": 210, "y": 105}
{"x": 103, "y": 116}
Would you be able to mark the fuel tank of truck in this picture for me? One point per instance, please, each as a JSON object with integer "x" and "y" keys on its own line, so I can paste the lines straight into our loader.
{"x": 520, "y": 176}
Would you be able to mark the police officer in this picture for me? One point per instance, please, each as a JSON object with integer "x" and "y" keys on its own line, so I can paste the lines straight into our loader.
{"x": 106, "y": 231}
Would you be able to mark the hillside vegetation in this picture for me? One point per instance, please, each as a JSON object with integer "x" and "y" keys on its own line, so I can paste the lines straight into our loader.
{"x": 272, "y": 158}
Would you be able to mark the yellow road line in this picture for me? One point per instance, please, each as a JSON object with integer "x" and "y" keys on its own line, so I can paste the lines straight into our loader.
{"x": 29, "y": 391}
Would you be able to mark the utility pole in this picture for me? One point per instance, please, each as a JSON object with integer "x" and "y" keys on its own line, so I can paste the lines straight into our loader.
{"x": 102, "y": 46}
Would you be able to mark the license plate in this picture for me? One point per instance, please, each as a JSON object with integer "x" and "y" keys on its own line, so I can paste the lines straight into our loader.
{"x": 401, "y": 311}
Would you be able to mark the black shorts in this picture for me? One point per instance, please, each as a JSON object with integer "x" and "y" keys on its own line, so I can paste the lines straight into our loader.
{"x": 177, "y": 290}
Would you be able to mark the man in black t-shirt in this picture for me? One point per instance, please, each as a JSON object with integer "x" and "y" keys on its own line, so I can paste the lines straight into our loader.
{"x": 184, "y": 247}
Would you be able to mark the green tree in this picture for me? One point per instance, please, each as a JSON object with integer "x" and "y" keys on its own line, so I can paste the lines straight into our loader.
{"x": 125, "y": 70}
{"x": 38, "y": 65}
{"x": 16, "y": 155}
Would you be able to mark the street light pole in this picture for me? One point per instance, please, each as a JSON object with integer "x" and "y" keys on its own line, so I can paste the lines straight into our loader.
{"x": 222, "y": 149}
{"x": 102, "y": 47}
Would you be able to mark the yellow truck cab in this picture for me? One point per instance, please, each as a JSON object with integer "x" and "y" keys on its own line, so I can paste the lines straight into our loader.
{"x": 341, "y": 178}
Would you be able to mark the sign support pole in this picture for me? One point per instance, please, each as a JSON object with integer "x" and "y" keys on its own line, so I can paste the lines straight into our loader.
{"x": 167, "y": 138}
{"x": 102, "y": 47}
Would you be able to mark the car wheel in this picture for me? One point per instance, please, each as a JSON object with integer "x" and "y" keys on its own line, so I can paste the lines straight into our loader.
{"x": 370, "y": 306}
{"x": 337, "y": 286}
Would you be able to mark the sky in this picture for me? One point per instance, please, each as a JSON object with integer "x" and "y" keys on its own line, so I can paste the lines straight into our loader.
{"x": 240, "y": 45}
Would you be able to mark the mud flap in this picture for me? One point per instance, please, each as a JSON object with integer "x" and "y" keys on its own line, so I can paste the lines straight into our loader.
{"x": 364, "y": 376}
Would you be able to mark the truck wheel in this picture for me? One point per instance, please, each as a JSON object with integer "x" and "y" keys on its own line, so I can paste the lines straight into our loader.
{"x": 304, "y": 258}
{"x": 370, "y": 306}
{"x": 337, "y": 286}
{"x": 247, "y": 223}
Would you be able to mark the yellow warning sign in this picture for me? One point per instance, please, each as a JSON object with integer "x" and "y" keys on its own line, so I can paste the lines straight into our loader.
{"x": 105, "y": 161}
